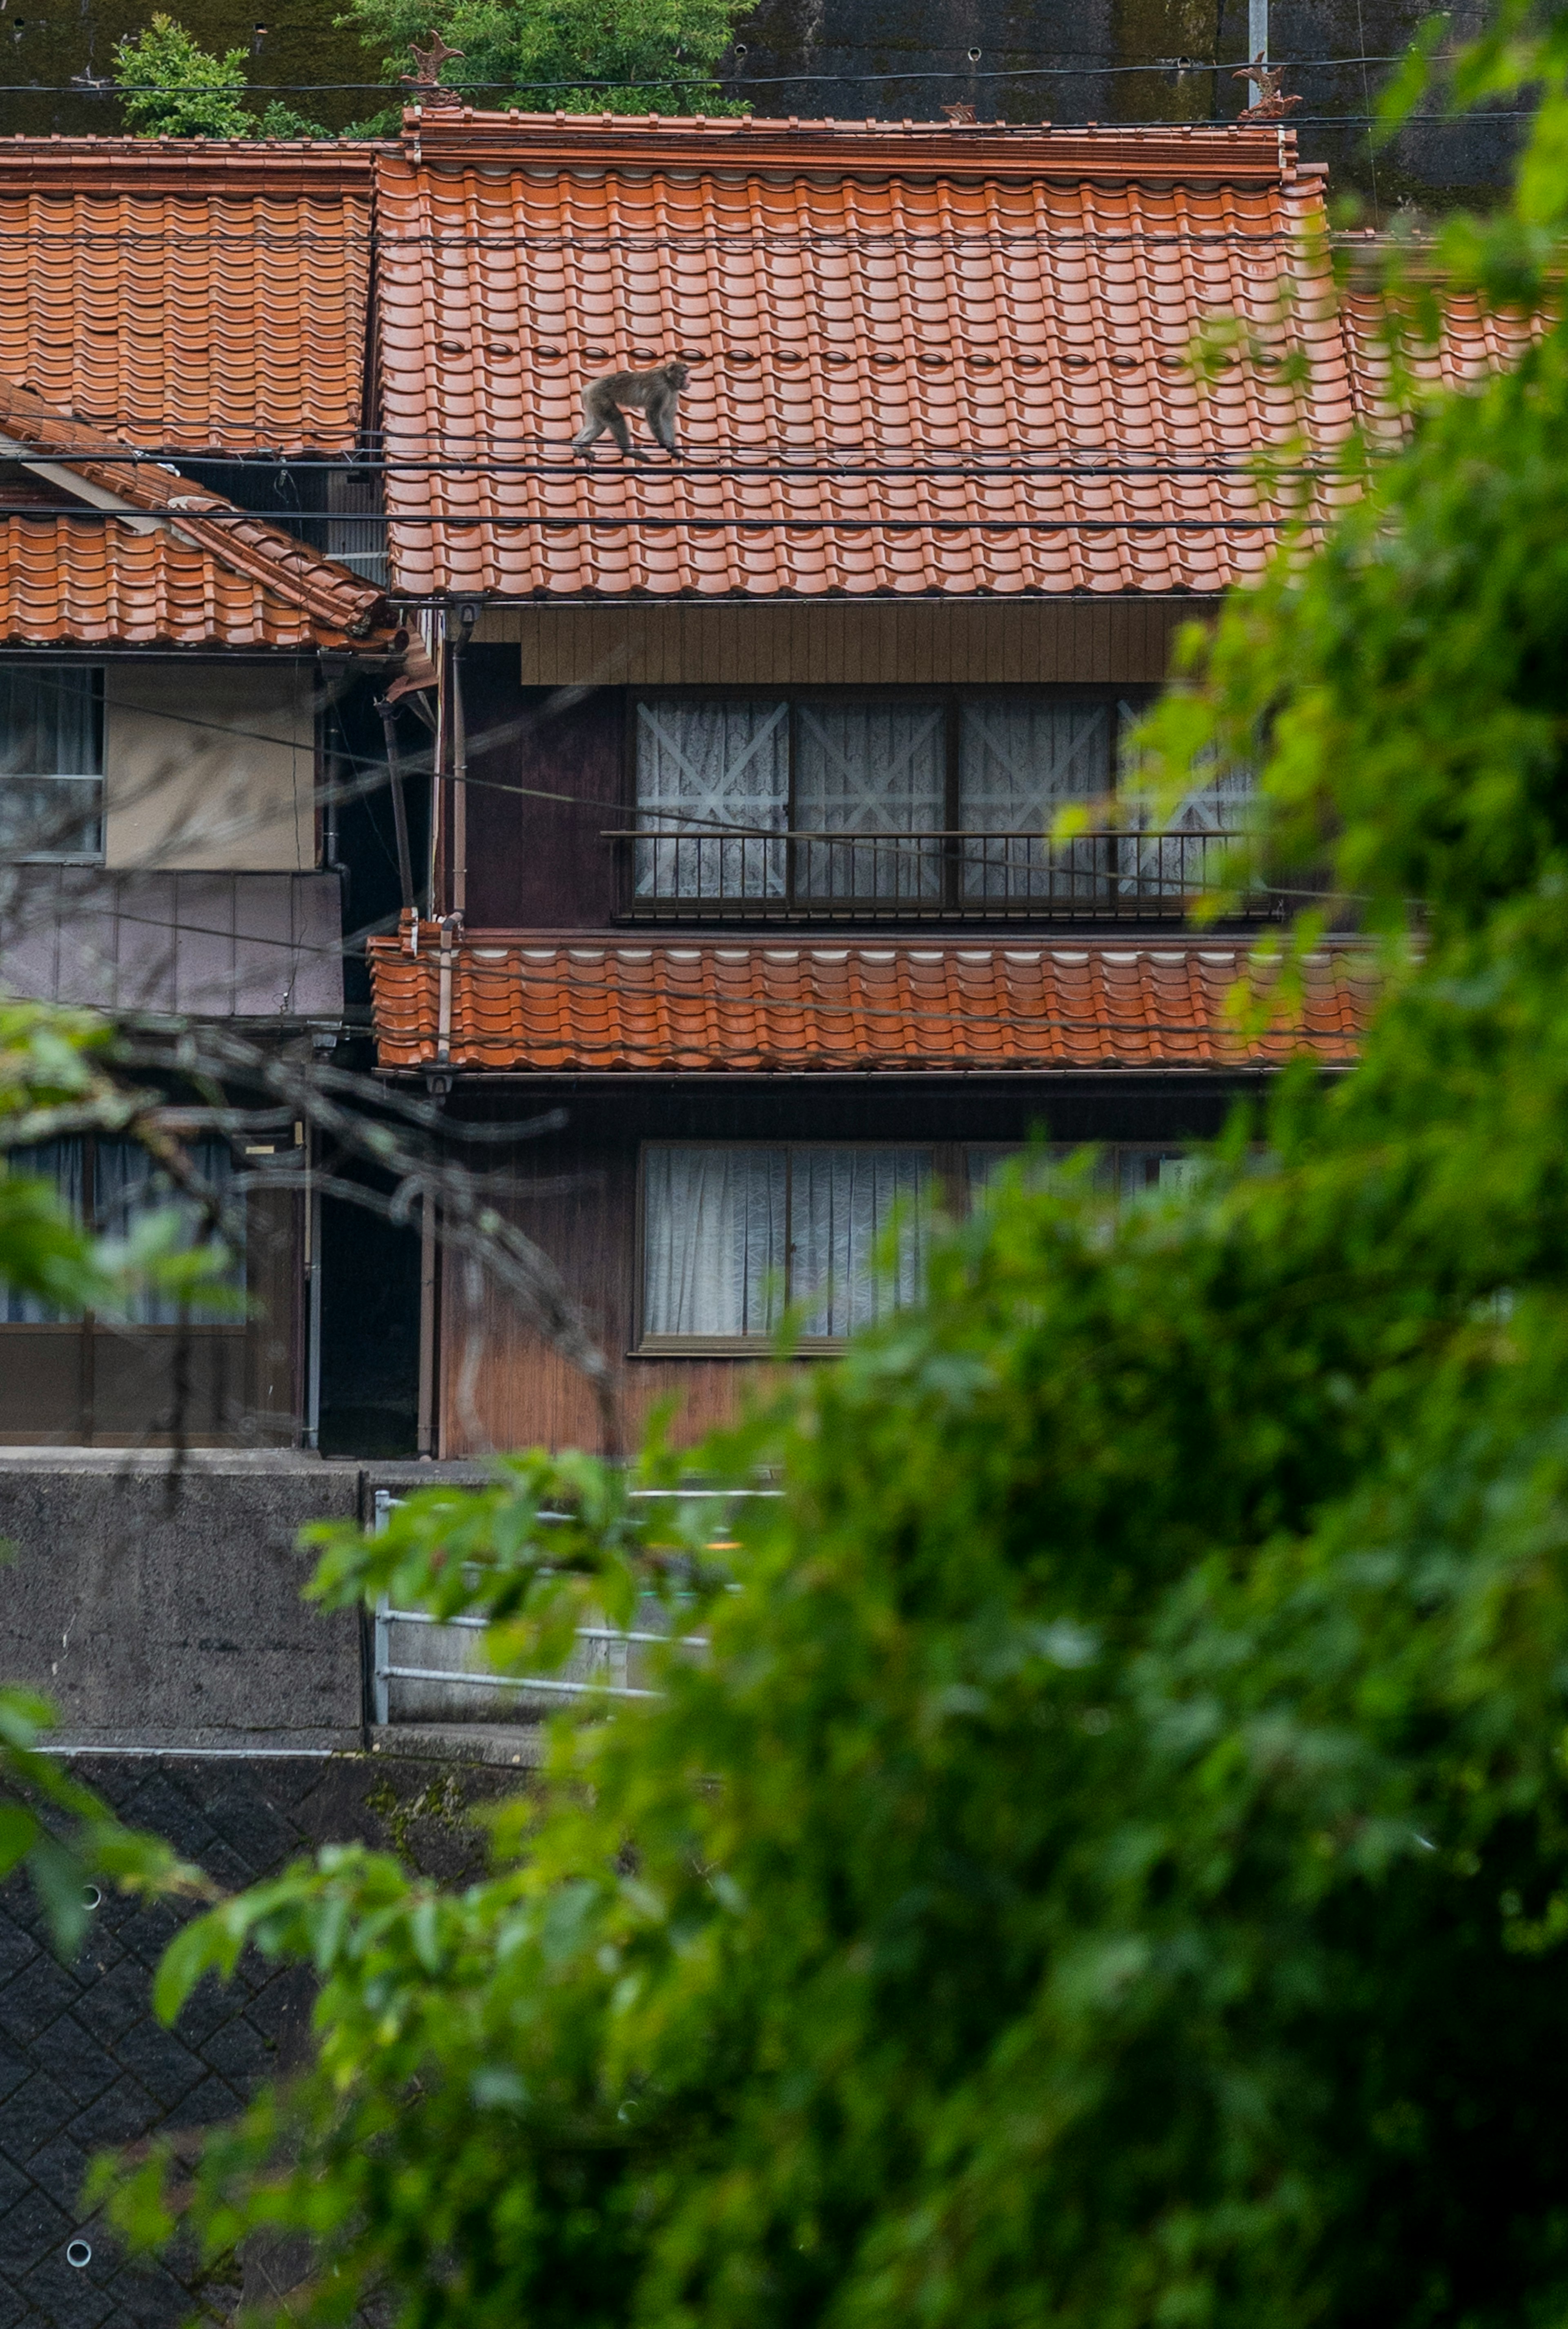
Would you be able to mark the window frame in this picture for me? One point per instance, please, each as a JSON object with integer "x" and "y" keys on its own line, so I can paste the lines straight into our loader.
{"x": 39, "y": 665}
{"x": 953, "y": 1191}
{"x": 645, "y": 1345}
{"x": 950, "y": 697}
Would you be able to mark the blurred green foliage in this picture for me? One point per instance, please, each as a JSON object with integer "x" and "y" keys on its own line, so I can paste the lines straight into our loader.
{"x": 57, "y": 1078}
{"x": 1110, "y": 1866}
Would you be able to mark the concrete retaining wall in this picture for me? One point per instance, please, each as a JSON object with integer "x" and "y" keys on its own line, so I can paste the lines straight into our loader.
{"x": 160, "y": 1606}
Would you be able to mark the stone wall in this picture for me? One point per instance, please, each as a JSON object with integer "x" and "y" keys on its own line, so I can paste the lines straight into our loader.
{"x": 84, "y": 2066}
{"x": 158, "y": 1604}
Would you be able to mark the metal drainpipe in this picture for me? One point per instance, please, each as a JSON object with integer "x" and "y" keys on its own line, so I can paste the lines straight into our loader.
{"x": 400, "y": 806}
{"x": 439, "y": 1081}
{"x": 313, "y": 1296}
{"x": 460, "y": 769}
{"x": 1257, "y": 31}
{"x": 440, "y": 851}
{"x": 427, "y": 1433}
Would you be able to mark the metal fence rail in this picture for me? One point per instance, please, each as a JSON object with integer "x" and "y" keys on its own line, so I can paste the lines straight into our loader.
{"x": 603, "y": 1660}
{"x": 669, "y": 874}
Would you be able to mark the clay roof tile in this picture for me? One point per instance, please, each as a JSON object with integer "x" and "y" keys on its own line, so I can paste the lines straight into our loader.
{"x": 895, "y": 1005}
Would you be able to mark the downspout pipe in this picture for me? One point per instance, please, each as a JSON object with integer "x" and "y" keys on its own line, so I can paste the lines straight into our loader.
{"x": 389, "y": 729}
{"x": 467, "y": 616}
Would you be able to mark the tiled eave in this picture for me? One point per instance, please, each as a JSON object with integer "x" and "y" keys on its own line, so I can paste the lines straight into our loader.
{"x": 500, "y": 1001}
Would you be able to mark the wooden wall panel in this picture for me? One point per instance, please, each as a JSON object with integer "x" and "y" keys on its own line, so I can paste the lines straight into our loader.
{"x": 839, "y": 641}
{"x": 502, "y": 1386}
{"x": 533, "y": 863}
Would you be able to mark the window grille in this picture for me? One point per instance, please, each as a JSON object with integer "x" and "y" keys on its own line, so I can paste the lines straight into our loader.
{"x": 909, "y": 806}
{"x": 874, "y": 769}
{"x": 707, "y": 771}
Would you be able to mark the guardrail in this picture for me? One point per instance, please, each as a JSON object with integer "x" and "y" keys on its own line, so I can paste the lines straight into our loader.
{"x": 605, "y": 1653}
{"x": 670, "y": 872}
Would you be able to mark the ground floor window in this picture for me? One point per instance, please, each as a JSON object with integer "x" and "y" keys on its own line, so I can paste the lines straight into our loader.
{"x": 736, "y": 1233}
{"x": 1120, "y": 1168}
{"x": 113, "y": 1185}
{"x": 220, "y": 1372}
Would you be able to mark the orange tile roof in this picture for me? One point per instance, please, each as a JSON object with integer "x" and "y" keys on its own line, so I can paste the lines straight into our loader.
{"x": 925, "y": 359}
{"x": 600, "y": 1006}
{"x": 1473, "y": 342}
{"x": 190, "y": 294}
{"x": 205, "y": 573}
{"x": 853, "y": 300}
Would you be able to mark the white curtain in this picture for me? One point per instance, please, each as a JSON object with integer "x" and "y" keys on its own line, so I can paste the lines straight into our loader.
{"x": 50, "y": 761}
{"x": 128, "y": 1186}
{"x": 711, "y": 764}
{"x": 60, "y": 1163}
{"x": 842, "y": 1202}
{"x": 730, "y": 1232}
{"x": 877, "y": 769}
{"x": 714, "y": 1239}
{"x": 1020, "y": 762}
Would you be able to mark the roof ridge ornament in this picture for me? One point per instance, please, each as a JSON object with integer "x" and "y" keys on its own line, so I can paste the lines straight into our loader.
{"x": 1270, "y": 103}
{"x": 425, "y": 80}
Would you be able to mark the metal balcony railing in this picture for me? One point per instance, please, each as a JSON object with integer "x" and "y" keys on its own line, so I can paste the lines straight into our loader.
{"x": 672, "y": 873}
{"x": 426, "y": 1669}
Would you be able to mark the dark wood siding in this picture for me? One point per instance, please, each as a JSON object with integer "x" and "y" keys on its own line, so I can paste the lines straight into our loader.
{"x": 538, "y": 862}
{"x": 503, "y": 1387}
{"x": 575, "y": 1194}
{"x": 841, "y": 642}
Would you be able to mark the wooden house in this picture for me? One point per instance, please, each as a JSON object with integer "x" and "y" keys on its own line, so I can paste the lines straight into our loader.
{"x": 744, "y": 910}
{"x": 183, "y": 337}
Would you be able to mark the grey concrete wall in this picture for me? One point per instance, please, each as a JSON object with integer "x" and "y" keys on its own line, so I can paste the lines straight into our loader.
{"x": 159, "y": 1605}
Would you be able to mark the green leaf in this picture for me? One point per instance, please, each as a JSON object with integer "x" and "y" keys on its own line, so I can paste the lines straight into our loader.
{"x": 19, "y": 1831}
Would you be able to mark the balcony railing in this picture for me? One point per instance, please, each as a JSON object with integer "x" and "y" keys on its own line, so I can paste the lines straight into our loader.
{"x": 670, "y": 874}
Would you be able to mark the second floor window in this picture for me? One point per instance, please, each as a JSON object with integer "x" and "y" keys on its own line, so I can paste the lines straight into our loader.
{"x": 907, "y": 804}
{"x": 51, "y": 762}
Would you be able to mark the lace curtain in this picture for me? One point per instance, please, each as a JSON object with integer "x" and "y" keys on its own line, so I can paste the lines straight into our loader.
{"x": 712, "y": 765}
{"x": 1020, "y": 762}
{"x": 714, "y": 1239}
{"x": 732, "y": 1233}
{"x": 876, "y": 769}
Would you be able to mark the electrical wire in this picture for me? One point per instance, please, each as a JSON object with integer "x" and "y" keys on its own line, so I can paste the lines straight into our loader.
{"x": 677, "y": 79}
{"x": 812, "y": 521}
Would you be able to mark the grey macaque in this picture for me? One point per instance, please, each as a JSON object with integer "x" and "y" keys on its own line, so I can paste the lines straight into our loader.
{"x": 654, "y": 393}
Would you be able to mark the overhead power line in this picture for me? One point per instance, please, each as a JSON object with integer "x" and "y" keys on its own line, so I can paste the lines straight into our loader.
{"x": 1164, "y": 67}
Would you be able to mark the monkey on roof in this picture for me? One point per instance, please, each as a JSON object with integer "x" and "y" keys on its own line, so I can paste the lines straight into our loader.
{"x": 654, "y": 394}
